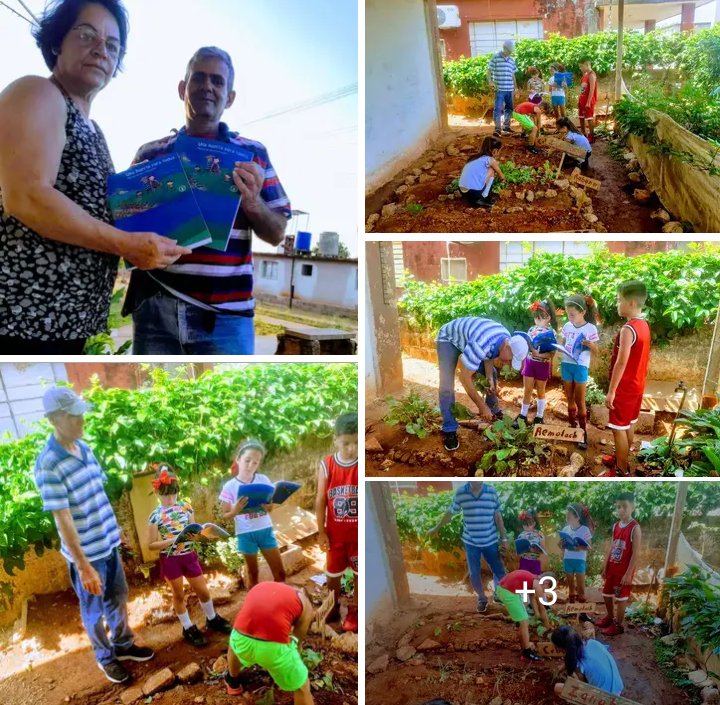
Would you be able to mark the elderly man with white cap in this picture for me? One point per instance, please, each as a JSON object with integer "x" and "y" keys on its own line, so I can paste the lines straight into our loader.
{"x": 478, "y": 343}
{"x": 501, "y": 79}
{"x": 70, "y": 481}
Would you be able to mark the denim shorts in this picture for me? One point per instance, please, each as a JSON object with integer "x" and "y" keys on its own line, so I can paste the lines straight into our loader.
{"x": 571, "y": 372}
{"x": 253, "y": 541}
{"x": 574, "y": 565}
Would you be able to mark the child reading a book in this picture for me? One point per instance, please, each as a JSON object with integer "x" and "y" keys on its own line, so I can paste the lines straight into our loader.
{"x": 272, "y": 621}
{"x": 180, "y": 560}
{"x": 620, "y": 564}
{"x": 515, "y": 590}
{"x": 628, "y": 372}
{"x": 530, "y": 559}
{"x": 588, "y": 661}
{"x": 336, "y": 510}
{"x": 253, "y": 525}
{"x": 579, "y": 526}
{"x": 557, "y": 85}
{"x": 538, "y": 365}
{"x": 582, "y": 316}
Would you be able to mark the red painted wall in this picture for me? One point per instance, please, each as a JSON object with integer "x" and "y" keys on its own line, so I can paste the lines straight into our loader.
{"x": 119, "y": 375}
{"x": 423, "y": 258}
{"x": 561, "y": 16}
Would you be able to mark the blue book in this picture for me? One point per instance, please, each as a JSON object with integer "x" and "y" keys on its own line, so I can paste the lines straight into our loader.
{"x": 561, "y": 76}
{"x": 577, "y": 349}
{"x": 209, "y": 166}
{"x": 543, "y": 342}
{"x": 572, "y": 542}
{"x": 156, "y": 197}
{"x": 259, "y": 493}
{"x": 525, "y": 546}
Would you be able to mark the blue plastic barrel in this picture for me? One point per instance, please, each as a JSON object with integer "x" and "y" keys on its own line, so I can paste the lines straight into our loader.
{"x": 302, "y": 241}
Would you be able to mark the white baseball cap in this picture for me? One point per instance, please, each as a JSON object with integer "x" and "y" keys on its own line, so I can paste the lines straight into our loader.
{"x": 64, "y": 399}
{"x": 509, "y": 45}
{"x": 520, "y": 350}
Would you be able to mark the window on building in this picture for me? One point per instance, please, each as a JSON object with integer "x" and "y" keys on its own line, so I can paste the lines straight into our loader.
{"x": 269, "y": 270}
{"x": 515, "y": 254}
{"x": 306, "y": 270}
{"x": 398, "y": 262}
{"x": 486, "y": 37}
{"x": 453, "y": 268}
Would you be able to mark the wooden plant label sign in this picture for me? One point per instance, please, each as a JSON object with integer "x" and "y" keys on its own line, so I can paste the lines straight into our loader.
{"x": 323, "y": 611}
{"x": 576, "y": 608}
{"x": 580, "y": 693}
{"x": 548, "y": 649}
{"x": 562, "y": 146}
{"x": 558, "y": 433}
{"x": 577, "y": 178}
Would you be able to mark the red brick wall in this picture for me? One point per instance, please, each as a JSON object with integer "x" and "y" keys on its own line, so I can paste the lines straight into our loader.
{"x": 422, "y": 259}
{"x": 561, "y": 16}
{"x": 112, "y": 374}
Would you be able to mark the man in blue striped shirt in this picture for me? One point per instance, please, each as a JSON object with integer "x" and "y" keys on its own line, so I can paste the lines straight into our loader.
{"x": 479, "y": 344}
{"x": 482, "y": 522}
{"x": 70, "y": 482}
{"x": 501, "y": 79}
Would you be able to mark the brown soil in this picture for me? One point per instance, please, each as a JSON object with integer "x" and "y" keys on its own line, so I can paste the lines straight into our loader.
{"x": 479, "y": 660}
{"x": 614, "y": 204}
{"x": 54, "y": 665}
{"x": 426, "y": 457}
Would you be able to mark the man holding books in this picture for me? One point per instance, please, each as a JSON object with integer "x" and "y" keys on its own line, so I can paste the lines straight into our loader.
{"x": 203, "y": 303}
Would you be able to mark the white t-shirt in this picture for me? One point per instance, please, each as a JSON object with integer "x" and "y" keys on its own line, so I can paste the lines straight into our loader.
{"x": 570, "y": 334}
{"x": 247, "y": 521}
{"x": 582, "y": 532}
{"x": 474, "y": 174}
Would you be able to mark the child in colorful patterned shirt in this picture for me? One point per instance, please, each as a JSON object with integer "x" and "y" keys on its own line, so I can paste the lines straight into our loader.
{"x": 180, "y": 560}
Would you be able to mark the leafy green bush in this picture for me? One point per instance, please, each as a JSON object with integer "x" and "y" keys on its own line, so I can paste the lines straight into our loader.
{"x": 682, "y": 286}
{"x": 512, "y": 449}
{"x": 415, "y": 516}
{"x": 418, "y": 416}
{"x": 593, "y": 393}
{"x": 193, "y": 424}
{"x": 700, "y": 58}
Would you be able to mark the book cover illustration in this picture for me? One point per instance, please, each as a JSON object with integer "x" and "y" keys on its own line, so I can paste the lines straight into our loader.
{"x": 156, "y": 197}
{"x": 572, "y": 542}
{"x": 209, "y": 166}
{"x": 260, "y": 493}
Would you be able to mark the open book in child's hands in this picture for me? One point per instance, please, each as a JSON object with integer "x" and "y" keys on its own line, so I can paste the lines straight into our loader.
{"x": 544, "y": 342}
{"x": 200, "y": 533}
{"x": 572, "y": 542}
{"x": 260, "y": 493}
{"x": 577, "y": 349}
{"x": 525, "y": 546}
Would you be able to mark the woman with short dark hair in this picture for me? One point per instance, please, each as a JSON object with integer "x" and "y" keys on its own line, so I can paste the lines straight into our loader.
{"x": 58, "y": 249}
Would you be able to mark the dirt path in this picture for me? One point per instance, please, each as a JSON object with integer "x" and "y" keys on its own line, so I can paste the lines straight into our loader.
{"x": 424, "y": 206}
{"x": 411, "y": 456}
{"x": 54, "y": 665}
{"x": 478, "y": 660}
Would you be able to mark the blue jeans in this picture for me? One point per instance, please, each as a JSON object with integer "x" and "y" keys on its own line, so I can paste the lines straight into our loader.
{"x": 503, "y": 98}
{"x": 448, "y": 356}
{"x": 164, "y": 325}
{"x": 474, "y": 556}
{"x": 109, "y": 608}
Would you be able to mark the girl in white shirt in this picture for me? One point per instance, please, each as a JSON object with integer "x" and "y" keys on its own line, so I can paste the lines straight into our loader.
{"x": 580, "y": 338}
{"x": 478, "y": 174}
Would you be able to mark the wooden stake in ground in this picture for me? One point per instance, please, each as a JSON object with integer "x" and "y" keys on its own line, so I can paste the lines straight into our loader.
{"x": 580, "y": 693}
{"x": 584, "y": 182}
{"x": 322, "y": 613}
{"x": 554, "y": 434}
{"x": 577, "y": 608}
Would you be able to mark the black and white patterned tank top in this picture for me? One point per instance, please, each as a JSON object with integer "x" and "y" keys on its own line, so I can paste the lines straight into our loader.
{"x": 50, "y": 290}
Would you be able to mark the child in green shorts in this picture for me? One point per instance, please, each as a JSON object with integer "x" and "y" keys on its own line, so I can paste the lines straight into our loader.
{"x": 266, "y": 632}
{"x": 510, "y": 593}
{"x": 529, "y": 115}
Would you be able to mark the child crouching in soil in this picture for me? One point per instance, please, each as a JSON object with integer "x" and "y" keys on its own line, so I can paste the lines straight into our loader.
{"x": 478, "y": 175}
{"x": 529, "y": 115}
{"x": 570, "y": 133}
{"x": 272, "y": 621}
{"x": 515, "y": 590}
{"x": 165, "y": 523}
{"x": 588, "y": 661}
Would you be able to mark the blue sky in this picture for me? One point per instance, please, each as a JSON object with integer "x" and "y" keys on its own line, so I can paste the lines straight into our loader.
{"x": 284, "y": 51}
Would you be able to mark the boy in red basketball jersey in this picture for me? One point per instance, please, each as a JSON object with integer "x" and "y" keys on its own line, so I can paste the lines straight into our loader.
{"x": 620, "y": 564}
{"x": 587, "y": 99}
{"x": 336, "y": 510}
{"x": 628, "y": 371}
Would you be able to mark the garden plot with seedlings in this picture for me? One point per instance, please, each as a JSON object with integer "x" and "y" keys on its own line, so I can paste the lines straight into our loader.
{"x": 667, "y": 655}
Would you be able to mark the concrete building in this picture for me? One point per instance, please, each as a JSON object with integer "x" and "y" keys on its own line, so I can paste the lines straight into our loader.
{"x": 646, "y": 14}
{"x": 316, "y": 283}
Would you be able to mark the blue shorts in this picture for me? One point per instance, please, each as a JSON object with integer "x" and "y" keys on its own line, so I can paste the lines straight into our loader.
{"x": 574, "y": 565}
{"x": 570, "y": 372}
{"x": 253, "y": 541}
{"x": 557, "y": 100}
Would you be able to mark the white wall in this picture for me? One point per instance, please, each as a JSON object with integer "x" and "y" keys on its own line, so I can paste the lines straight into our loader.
{"x": 371, "y": 361}
{"x": 402, "y": 111}
{"x": 273, "y": 287}
{"x": 378, "y": 596}
{"x": 22, "y": 386}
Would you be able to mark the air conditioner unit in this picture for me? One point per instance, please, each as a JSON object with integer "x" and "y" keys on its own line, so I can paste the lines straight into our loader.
{"x": 448, "y": 16}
